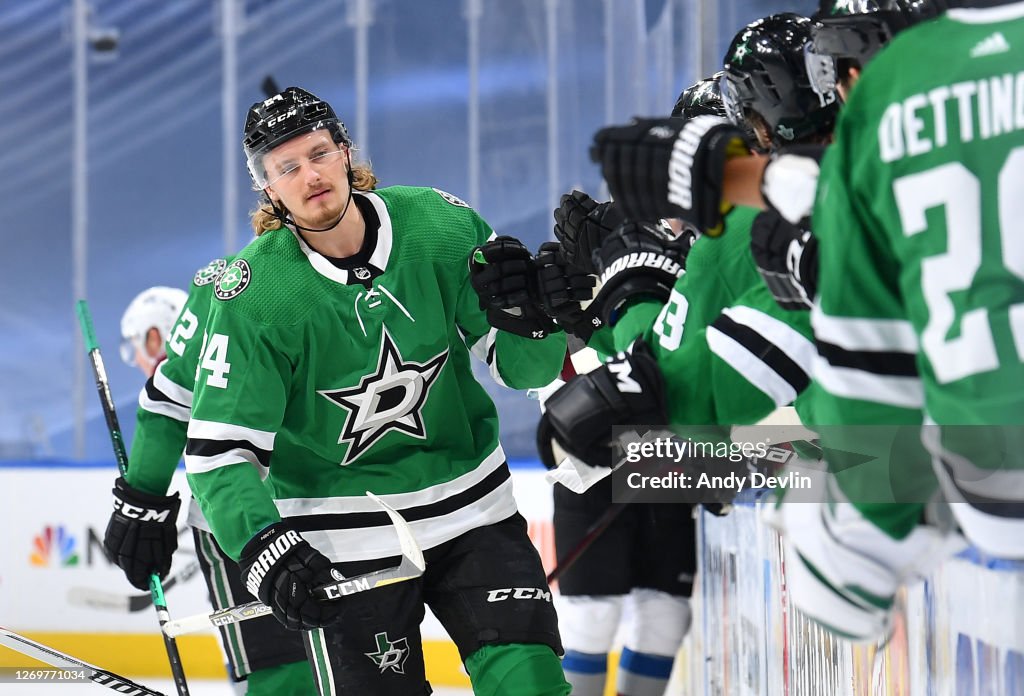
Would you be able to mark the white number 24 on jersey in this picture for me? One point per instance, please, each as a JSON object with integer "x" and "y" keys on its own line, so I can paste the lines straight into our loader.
{"x": 214, "y": 354}
{"x": 958, "y": 191}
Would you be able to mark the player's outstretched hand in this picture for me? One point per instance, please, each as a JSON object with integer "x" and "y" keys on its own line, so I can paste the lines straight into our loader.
{"x": 669, "y": 167}
{"x": 581, "y": 225}
{"x": 281, "y": 569}
{"x": 502, "y": 274}
{"x": 563, "y": 289}
{"x": 639, "y": 260}
{"x": 142, "y": 533}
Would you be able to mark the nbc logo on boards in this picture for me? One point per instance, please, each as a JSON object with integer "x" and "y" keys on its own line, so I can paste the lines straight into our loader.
{"x": 54, "y": 546}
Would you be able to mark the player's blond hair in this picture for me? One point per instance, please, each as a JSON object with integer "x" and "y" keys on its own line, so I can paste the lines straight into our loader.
{"x": 264, "y": 219}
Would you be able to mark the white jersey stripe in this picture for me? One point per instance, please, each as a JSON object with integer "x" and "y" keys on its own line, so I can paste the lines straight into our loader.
{"x": 850, "y": 383}
{"x": 294, "y": 507}
{"x": 484, "y": 348}
{"x": 858, "y": 334}
{"x": 172, "y": 390}
{"x": 211, "y": 430}
{"x": 753, "y": 369}
{"x": 195, "y": 464}
{"x": 794, "y": 344}
{"x": 163, "y": 408}
{"x": 368, "y": 543}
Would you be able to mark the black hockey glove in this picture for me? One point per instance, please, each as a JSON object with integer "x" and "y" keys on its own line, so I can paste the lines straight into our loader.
{"x": 503, "y": 275}
{"x": 627, "y": 390}
{"x": 563, "y": 288}
{"x": 789, "y": 183}
{"x": 142, "y": 533}
{"x": 282, "y": 570}
{"x": 669, "y": 168}
{"x": 581, "y": 225}
{"x": 639, "y": 260}
{"x": 787, "y": 258}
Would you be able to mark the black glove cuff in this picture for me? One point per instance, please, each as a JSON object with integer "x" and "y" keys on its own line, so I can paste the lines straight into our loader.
{"x": 265, "y": 552}
{"x": 147, "y": 507}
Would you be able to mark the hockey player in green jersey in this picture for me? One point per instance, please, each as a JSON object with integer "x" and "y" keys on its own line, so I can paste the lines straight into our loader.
{"x": 921, "y": 269}
{"x": 646, "y": 558}
{"x": 714, "y": 357}
{"x": 263, "y": 657}
{"x": 336, "y": 361}
{"x": 871, "y": 365}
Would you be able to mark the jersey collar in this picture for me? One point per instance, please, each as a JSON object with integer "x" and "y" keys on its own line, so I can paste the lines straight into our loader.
{"x": 378, "y": 256}
{"x": 986, "y": 11}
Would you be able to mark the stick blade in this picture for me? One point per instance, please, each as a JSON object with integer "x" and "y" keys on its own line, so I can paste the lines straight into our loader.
{"x": 98, "y": 599}
{"x": 410, "y": 549}
{"x": 55, "y": 658}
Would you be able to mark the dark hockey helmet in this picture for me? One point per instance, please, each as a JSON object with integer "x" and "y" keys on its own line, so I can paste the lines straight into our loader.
{"x": 850, "y": 32}
{"x": 701, "y": 98}
{"x": 766, "y": 79}
{"x": 282, "y": 117}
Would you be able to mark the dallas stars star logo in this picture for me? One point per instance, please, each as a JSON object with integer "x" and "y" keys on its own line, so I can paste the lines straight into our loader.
{"x": 391, "y": 398}
{"x": 390, "y": 654}
{"x": 849, "y": 7}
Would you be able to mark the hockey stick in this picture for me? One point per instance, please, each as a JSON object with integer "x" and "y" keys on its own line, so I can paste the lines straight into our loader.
{"x": 411, "y": 566}
{"x": 121, "y": 455}
{"x": 594, "y": 531}
{"x": 38, "y": 651}
{"x": 131, "y": 603}
{"x": 793, "y": 433}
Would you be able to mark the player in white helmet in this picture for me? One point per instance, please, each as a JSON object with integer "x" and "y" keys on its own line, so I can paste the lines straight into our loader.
{"x": 146, "y": 326}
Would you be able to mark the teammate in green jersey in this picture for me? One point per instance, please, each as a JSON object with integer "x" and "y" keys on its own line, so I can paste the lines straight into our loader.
{"x": 921, "y": 274}
{"x": 726, "y": 353}
{"x": 875, "y": 325}
{"x": 264, "y": 658}
{"x": 646, "y": 558}
{"x": 336, "y": 361}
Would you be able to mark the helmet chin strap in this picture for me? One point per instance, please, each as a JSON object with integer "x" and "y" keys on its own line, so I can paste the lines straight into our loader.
{"x": 290, "y": 221}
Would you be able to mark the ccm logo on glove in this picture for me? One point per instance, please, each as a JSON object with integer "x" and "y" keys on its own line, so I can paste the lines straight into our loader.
{"x": 268, "y": 558}
{"x": 140, "y": 513}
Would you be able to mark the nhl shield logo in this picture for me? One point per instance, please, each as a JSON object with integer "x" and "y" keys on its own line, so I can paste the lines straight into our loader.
{"x": 208, "y": 273}
{"x": 361, "y": 273}
{"x": 233, "y": 280}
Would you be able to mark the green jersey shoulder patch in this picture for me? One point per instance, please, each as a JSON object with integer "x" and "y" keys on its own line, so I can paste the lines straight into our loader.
{"x": 208, "y": 273}
{"x": 454, "y": 200}
{"x": 233, "y": 280}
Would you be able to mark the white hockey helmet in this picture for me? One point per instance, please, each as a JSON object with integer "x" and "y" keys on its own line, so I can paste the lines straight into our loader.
{"x": 157, "y": 307}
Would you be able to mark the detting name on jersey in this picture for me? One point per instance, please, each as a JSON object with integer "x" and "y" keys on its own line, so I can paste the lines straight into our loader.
{"x": 921, "y": 122}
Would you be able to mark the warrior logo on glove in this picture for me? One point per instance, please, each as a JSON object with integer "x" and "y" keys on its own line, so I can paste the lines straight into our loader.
{"x": 669, "y": 168}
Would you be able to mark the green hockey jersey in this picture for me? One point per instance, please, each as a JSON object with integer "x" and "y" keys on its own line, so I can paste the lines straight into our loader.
{"x": 921, "y": 306}
{"x": 717, "y": 272}
{"x": 729, "y": 354}
{"x": 750, "y": 359}
{"x": 166, "y": 399}
{"x": 328, "y": 380}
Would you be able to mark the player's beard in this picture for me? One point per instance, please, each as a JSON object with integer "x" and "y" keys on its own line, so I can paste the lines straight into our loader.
{"x": 318, "y": 214}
